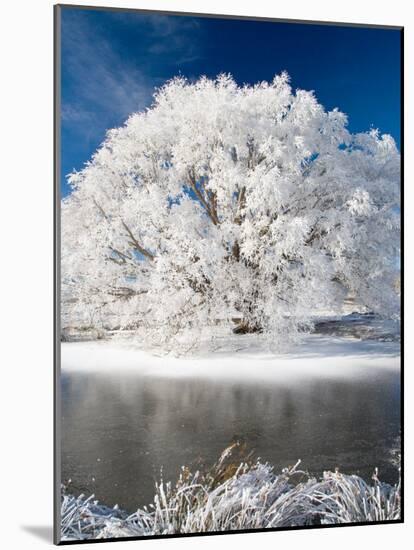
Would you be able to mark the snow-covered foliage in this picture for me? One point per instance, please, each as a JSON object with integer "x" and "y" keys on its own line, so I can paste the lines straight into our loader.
{"x": 234, "y": 497}
{"x": 245, "y": 208}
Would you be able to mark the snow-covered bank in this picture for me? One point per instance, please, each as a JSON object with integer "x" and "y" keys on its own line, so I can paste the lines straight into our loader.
{"x": 234, "y": 496}
{"x": 317, "y": 356}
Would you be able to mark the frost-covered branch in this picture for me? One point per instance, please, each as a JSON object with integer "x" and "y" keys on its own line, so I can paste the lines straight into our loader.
{"x": 136, "y": 244}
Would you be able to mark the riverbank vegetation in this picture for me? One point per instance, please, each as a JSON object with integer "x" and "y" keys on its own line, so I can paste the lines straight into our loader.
{"x": 237, "y": 493}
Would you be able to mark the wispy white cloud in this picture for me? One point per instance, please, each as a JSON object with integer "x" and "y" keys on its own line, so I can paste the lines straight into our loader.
{"x": 98, "y": 79}
{"x": 102, "y": 81}
{"x": 111, "y": 64}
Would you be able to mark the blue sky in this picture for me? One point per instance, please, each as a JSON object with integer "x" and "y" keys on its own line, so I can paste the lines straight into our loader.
{"x": 111, "y": 62}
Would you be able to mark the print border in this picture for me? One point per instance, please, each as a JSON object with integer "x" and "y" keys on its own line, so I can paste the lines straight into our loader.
{"x": 57, "y": 10}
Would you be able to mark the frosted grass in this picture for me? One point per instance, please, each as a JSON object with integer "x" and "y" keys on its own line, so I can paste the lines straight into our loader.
{"x": 236, "y": 495}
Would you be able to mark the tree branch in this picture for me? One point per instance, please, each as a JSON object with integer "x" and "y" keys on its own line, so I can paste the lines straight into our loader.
{"x": 136, "y": 244}
{"x": 125, "y": 292}
{"x": 122, "y": 256}
{"x": 99, "y": 207}
{"x": 209, "y": 209}
{"x": 241, "y": 203}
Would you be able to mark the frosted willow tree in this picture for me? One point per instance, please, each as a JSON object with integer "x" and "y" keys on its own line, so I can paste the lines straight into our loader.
{"x": 244, "y": 209}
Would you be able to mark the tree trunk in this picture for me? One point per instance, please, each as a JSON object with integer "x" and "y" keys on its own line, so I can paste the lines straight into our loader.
{"x": 244, "y": 327}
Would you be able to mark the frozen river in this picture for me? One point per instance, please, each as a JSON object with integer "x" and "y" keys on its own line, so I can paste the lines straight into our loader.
{"x": 120, "y": 426}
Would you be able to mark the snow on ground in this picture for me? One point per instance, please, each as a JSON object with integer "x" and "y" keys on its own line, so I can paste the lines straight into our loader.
{"x": 317, "y": 356}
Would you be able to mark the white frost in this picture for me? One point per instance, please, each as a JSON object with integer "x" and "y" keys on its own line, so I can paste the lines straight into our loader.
{"x": 317, "y": 356}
